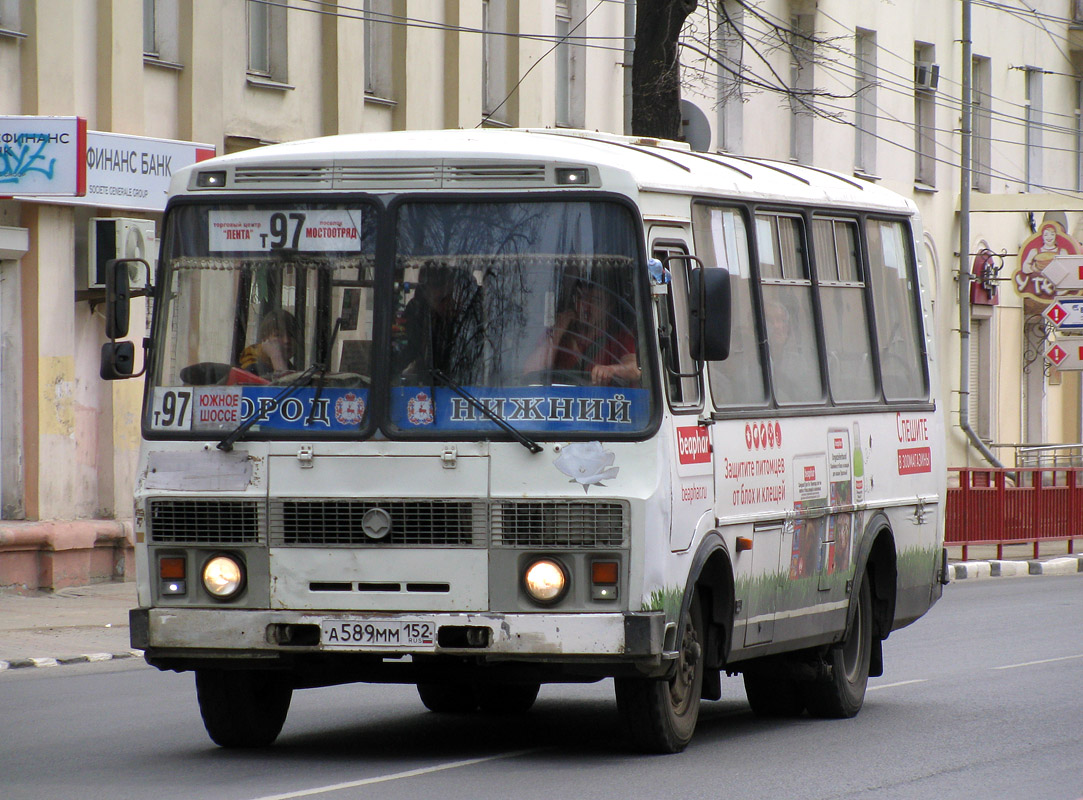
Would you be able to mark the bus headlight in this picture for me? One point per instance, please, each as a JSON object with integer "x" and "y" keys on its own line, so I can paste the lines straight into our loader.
{"x": 223, "y": 577}
{"x": 545, "y": 581}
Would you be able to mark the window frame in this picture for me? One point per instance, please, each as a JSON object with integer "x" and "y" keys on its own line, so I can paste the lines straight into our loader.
{"x": 861, "y": 218}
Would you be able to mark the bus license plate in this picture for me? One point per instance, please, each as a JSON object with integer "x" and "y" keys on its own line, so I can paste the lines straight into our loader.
{"x": 377, "y": 633}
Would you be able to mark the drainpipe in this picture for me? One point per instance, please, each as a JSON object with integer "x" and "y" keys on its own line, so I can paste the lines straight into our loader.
{"x": 629, "y": 55}
{"x": 964, "y": 249}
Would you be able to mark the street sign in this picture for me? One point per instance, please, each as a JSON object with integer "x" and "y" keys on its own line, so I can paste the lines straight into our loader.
{"x": 1066, "y": 272}
{"x": 1065, "y": 355}
{"x": 1066, "y": 314}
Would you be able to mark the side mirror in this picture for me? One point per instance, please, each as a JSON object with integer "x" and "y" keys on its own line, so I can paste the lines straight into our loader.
{"x": 118, "y": 295}
{"x": 118, "y": 361}
{"x": 709, "y": 312}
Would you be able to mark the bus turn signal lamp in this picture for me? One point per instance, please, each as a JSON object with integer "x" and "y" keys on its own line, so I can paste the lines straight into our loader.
{"x": 743, "y": 543}
{"x": 604, "y": 576}
{"x": 172, "y": 574}
{"x": 223, "y": 577}
{"x": 545, "y": 581}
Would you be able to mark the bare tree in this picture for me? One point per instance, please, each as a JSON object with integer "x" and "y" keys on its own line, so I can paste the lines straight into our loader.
{"x": 667, "y": 42}
{"x": 656, "y": 76}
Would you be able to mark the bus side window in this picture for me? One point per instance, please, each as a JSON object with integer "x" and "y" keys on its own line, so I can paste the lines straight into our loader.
{"x": 787, "y": 307}
{"x": 721, "y": 239}
{"x": 841, "y": 282}
{"x": 672, "y": 311}
{"x": 895, "y": 306}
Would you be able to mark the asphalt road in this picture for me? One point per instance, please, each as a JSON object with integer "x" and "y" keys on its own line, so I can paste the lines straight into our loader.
{"x": 981, "y": 698}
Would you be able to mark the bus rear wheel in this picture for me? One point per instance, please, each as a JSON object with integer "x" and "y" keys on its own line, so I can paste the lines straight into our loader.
{"x": 242, "y": 708}
{"x": 506, "y": 698}
{"x": 660, "y": 715}
{"x": 842, "y": 694}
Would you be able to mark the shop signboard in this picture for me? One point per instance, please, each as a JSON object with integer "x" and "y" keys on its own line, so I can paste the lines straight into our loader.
{"x": 43, "y": 156}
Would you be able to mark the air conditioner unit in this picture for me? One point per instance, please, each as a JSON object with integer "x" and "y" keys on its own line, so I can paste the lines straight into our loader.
{"x": 926, "y": 76}
{"x": 117, "y": 237}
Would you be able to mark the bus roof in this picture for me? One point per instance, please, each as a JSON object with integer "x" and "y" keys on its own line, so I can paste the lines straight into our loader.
{"x": 515, "y": 159}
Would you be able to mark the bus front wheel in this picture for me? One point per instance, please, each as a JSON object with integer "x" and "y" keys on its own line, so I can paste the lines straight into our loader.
{"x": 842, "y": 694}
{"x": 242, "y": 708}
{"x": 660, "y": 715}
{"x": 448, "y": 698}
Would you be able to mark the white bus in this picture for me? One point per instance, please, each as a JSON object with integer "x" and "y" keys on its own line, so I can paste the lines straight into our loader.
{"x": 483, "y": 410}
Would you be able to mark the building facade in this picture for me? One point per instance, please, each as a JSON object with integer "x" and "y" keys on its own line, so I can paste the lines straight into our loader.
{"x": 870, "y": 89}
{"x": 874, "y": 90}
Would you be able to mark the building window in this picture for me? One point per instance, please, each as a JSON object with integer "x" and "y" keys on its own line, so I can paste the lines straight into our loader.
{"x": 731, "y": 87}
{"x": 981, "y": 125}
{"x": 10, "y": 18}
{"x": 570, "y": 101}
{"x": 865, "y": 102}
{"x": 267, "y": 40}
{"x": 494, "y": 59}
{"x": 982, "y": 384}
{"x": 1032, "y": 120}
{"x": 926, "y": 79}
{"x": 150, "y": 42}
{"x": 801, "y": 88}
{"x": 378, "y": 48}
{"x": 160, "y": 30}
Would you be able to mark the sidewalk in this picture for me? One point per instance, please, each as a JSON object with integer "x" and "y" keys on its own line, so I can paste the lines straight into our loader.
{"x": 71, "y": 626}
{"x": 90, "y": 623}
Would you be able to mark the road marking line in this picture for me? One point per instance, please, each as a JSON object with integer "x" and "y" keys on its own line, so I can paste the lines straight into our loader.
{"x": 897, "y": 683}
{"x": 1042, "y": 661}
{"x": 411, "y": 773}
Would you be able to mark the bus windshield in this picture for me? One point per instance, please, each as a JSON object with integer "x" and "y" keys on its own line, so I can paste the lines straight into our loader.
{"x": 529, "y": 311}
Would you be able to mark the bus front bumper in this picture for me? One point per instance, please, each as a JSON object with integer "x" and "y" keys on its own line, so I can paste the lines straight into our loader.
{"x": 265, "y": 633}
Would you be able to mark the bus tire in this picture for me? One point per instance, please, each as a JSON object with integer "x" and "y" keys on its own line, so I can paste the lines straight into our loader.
{"x": 448, "y": 698}
{"x": 506, "y": 698}
{"x": 842, "y": 694}
{"x": 773, "y": 694}
{"x": 660, "y": 715}
{"x": 242, "y": 708}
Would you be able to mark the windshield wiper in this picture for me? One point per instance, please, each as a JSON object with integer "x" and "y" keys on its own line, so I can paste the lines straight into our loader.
{"x": 323, "y": 371}
{"x": 290, "y": 388}
{"x": 516, "y": 434}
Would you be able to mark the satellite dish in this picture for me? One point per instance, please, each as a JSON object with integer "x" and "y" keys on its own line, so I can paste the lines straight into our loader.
{"x": 695, "y": 129}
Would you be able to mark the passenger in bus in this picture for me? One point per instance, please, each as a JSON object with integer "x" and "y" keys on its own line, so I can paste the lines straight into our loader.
{"x": 795, "y": 366}
{"x": 273, "y": 353}
{"x": 443, "y": 322}
{"x": 588, "y": 338}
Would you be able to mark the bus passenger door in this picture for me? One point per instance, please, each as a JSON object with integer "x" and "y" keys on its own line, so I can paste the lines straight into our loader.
{"x": 692, "y": 478}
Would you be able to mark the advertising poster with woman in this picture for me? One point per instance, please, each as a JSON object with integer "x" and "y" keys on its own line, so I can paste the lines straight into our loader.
{"x": 1034, "y": 256}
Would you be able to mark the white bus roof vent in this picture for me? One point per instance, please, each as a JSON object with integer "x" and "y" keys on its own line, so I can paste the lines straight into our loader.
{"x": 488, "y": 173}
{"x": 393, "y": 174}
{"x": 260, "y": 176}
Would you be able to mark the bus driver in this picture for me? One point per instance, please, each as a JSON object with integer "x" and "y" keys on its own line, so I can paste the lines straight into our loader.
{"x": 588, "y": 338}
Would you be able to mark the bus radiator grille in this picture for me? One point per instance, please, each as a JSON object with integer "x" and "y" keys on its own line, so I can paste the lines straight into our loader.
{"x": 416, "y": 523}
{"x": 204, "y": 521}
{"x": 559, "y": 524}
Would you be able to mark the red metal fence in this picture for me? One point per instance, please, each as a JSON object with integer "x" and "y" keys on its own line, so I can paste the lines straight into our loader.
{"x": 1014, "y": 506}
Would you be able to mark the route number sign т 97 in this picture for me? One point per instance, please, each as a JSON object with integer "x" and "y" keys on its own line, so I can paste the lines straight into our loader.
{"x": 311, "y": 230}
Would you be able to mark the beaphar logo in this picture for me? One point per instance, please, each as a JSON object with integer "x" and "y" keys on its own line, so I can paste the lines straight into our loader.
{"x": 693, "y": 445}
{"x": 763, "y": 435}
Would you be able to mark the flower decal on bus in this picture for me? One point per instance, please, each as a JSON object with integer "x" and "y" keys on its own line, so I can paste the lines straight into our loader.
{"x": 586, "y": 463}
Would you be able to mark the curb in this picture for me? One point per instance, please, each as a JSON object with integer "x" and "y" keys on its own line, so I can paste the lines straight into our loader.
{"x": 970, "y": 570}
{"x": 88, "y": 658}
